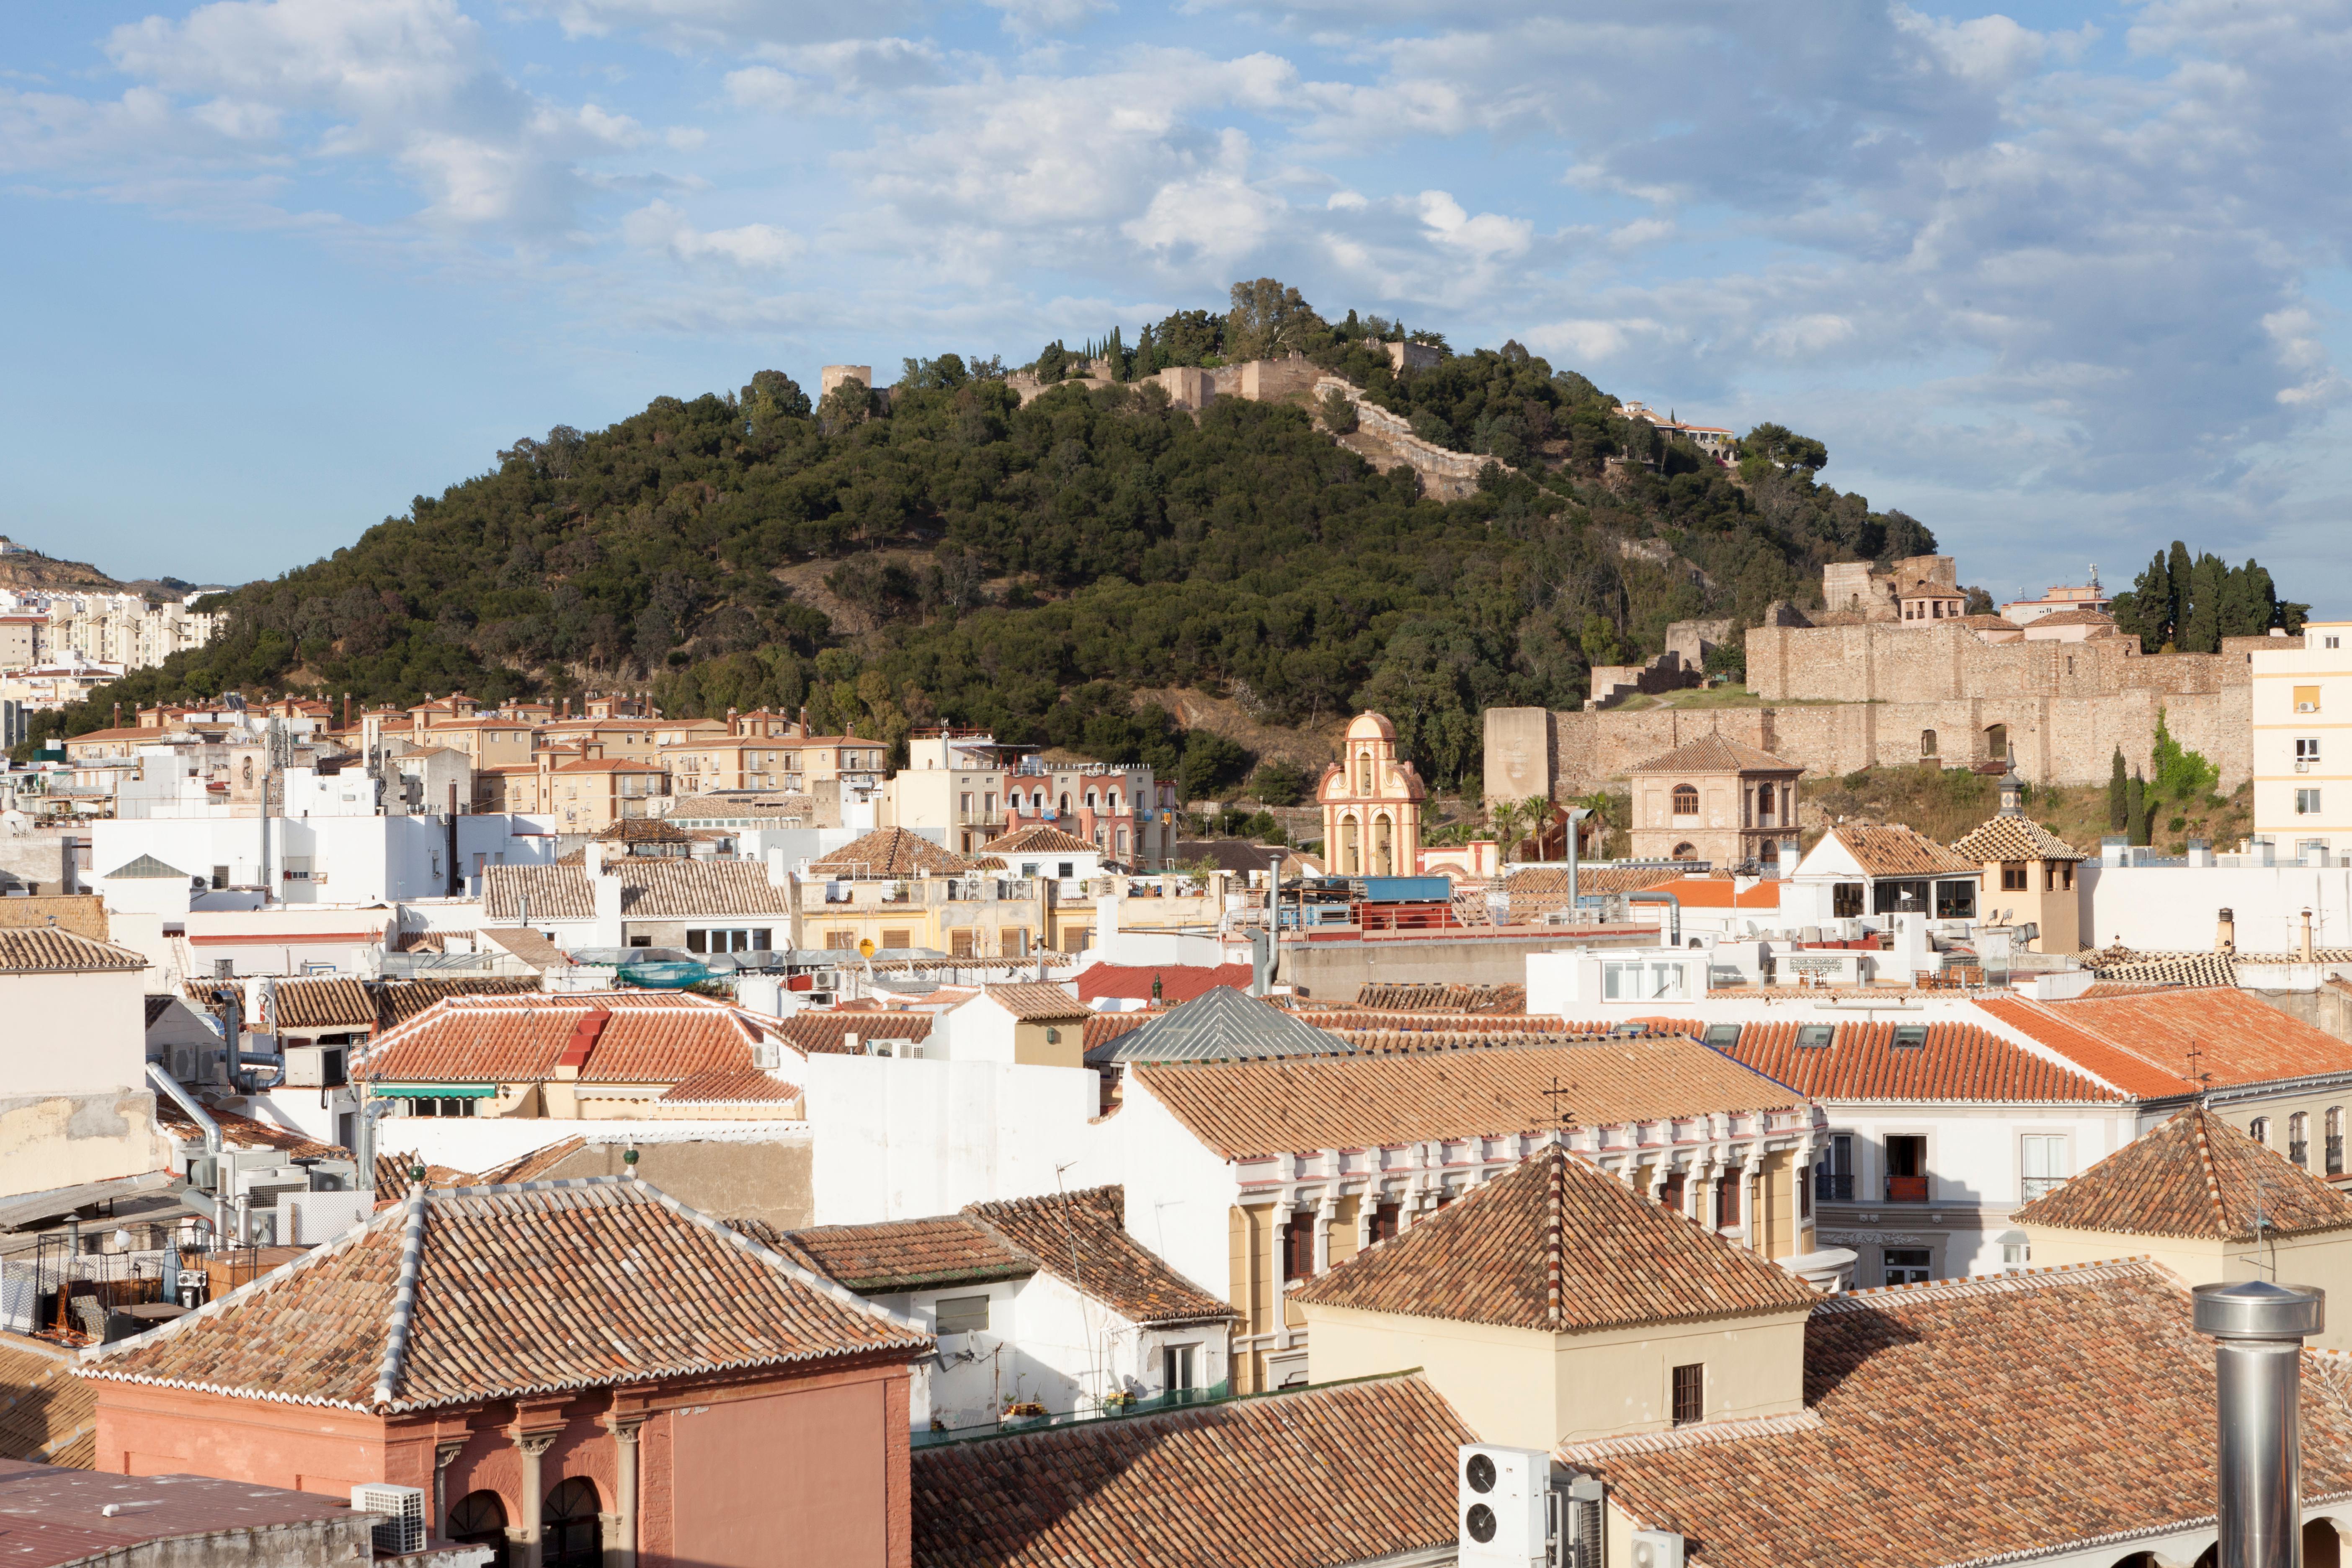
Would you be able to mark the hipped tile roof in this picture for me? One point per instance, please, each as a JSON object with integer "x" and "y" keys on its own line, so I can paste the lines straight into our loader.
{"x": 2141, "y": 1044}
{"x": 814, "y": 1032}
{"x": 2014, "y": 838}
{"x": 1558, "y": 1246}
{"x": 1432, "y": 996}
{"x": 730, "y": 1085}
{"x": 1894, "y": 850}
{"x": 56, "y": 950}
{"x": 1344, "y": 1474}
{"x": 470, "y": 1294}
{"x": 1958, "y": 1062}
{"x": 653, "y": 888}
{"x": 1715, "y": 755}
{"x": 398, "y": 1000}
{"x": 1221, "y": 1025}
{"x": 2196, "y": 1177}
{"x": 888, "y": 852}
{"x": 1963, "y": 1421}
{"x": 1039, "y": 838}
{"x": 895, "y": 1256}
{"x": 631, "y": 1037}
{"x": 549, "y": 893}
{"x": 47, "y": 1416}
{"x": 1035, "y": 1002}
{"x": 1081, "y": 1238}
{"x": 325, "y": 1003}
{"x": 1246, "y": 1108}
{"x": 82, "y": 914}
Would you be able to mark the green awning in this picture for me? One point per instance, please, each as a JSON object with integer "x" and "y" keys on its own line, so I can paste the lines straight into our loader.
{"x": 433, "y": 1090}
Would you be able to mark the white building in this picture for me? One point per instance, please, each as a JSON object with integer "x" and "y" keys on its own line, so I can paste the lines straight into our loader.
{"x": 2303, "y": 742}
{"x": 326, "y": 858}
{"x": 75, "y": 1107}
{"x": 127, "y": 629}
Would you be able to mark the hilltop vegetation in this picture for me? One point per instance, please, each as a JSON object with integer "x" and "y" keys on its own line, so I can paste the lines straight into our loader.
{"x": 1028, "y": 568}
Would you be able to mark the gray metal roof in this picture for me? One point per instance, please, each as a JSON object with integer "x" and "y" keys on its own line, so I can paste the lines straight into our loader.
{"x": 146, "y": 867}
{"x": 1220, "y": 1026}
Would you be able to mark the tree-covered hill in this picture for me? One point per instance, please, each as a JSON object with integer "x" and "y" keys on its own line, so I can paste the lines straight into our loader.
{"x": 1026, "y": 568}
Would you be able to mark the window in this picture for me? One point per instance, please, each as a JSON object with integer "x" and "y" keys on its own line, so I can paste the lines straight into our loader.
{"x": 1910, "y": 1037}
{"x": 2298, "y": 1139}
{"x": 1063, "y": 867}
{"x": 1845, "y": 900}
{"x": 750, "y": 940}
{"x": 1690, "y": 1393}
{"x": 898, "y": 939}
{"x": 963, "y": 1314}
{"x": 1815, "y": 1037}
{"x": 1386, "y": 1221}
{"x": 1176, "y": 1368}
{"x": 1906, "y": 1169}
{"x": 960, "y": 944}
{"x": 2306, "y": 700}
{"x": 1906, "y": 1266}
{"x": 1927, "y": 744}
{"x": 2306, "y": 752}
{"x": 2259, "y": 1129}
{"x": 479, "y": 1518}
{"x": 2042, "y": 1160}
{"x": 572, "y": 1535}
{"x": 1686, "y": 800}
{"x": 2306, "y": 803}
{"x": 1672, "y": 1190}
{"x": 1955, "y": 900}
{"x": 839, "y": 941}
{"x": 1298, "y": 1247}
{"x": 1726, "y": 1199}
{"x": 2012, "y": 876}
{"x": 1723, "y": 1036}
{"x": 220, "y": 877}
{"x": 2331, "y": 642}
{"x": 1642, "y": 980}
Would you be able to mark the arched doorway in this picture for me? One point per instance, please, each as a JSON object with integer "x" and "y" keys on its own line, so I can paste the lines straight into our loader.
{"x": 479, "y": 1518}
{"x": 2322, "y": 1548}
{"x": 1686, "y": 851}
{"x": 1383, "y": 846}
{"x": 572, "y": 1535}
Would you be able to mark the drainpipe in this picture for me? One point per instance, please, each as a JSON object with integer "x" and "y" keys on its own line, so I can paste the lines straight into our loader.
{"x": 215, "y": 1146}
{"x": 1675, "y": 937}
{"x": 2258, "y": 1365}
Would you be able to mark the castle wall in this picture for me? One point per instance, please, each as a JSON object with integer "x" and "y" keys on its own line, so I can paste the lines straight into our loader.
{"x": 1890, "y": 662}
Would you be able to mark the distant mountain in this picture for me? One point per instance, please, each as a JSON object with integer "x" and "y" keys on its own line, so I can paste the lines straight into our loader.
{"x": 946, "y": 553}
{"x": 23, "y": 567}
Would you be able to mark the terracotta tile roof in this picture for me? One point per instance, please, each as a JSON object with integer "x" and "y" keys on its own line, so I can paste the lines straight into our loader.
{"x": 2073, "y": 618}
{"x": 528, "y": 945}
{"x": 643, "y": 830}
{"x": 538, "y": 1165}
{"x": 730, "y": 1085}
{"x": 627, "y": 1036}
{"x": 47, "y": 1416}
{"x": 393, "y": 1171}
{"x": 1348, "y": 1473}
{"x": 1243, "y": 1108}
{"x": 398, "y": 1000}
{"x": 81, "y": 914}
{"x": 476, "y": 1293}
{"x": 1035, "y": 1002}
{"x": 551, "y": 893}
{"x": 896, "y": 1256}
{"x": 694, "y": 807}
{"x": 1348, "y": 1023}
{"x": 887, "y": 852}
{"x": 1102, "y": 1028}
{"x": 1039, "y": 838}
{"x": 1221, "y": 1025}
{"x": 1894, "y": 850}
{"x": 2198, "y": 1177}
{"x": 1535, "y": 889}
{"x": 2014, "y": 838}
{"x": 327, "y": 1003}
{"x": 672, "y": 888}
{"x": 2239, "y": 1038}
{"x": 245, "y": 1131}
{"x": 56, "y": 950}
{"x": 1715, "y": 755}
{"x": 1966, "y": 1421}
{"x": 828, "y": 1032}
{"x": 2163, "y": 968}
{"x": 1558, "y": 1246}
{"x": 1432, "y": 996}
{"x": 1081, "y": 1239}
{"x": 1956, "y": 1062}
{"x": 1177, "y": 982}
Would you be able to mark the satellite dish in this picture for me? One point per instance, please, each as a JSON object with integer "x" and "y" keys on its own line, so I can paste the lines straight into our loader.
{"x": 865, "y": 947}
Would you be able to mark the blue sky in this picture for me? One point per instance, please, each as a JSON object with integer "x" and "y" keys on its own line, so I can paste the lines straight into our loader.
{"x": 2065, "y": 282}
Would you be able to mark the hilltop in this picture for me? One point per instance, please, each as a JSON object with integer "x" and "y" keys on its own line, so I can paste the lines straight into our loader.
{"x": 946, "y": 553}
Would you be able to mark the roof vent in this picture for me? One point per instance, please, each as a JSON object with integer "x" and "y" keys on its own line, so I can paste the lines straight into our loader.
{"x": 1910, "y": 1037}
{"x": 1815, "y": 1037}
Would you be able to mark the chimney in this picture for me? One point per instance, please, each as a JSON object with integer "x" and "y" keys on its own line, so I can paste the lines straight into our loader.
{"x": 2258, "y": 1368}
{"x": 117, "y": 716}
{"x": 347, "y": 710}
{"x": 2225, "y": 936}
{"x": 2304, "y": 950}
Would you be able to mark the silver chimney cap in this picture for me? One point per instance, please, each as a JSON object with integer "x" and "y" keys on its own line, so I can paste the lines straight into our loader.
{"x": 2258, "y": 1309}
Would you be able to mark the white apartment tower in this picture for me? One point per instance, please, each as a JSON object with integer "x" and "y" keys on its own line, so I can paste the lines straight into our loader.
{"x": 2303, "y": 742}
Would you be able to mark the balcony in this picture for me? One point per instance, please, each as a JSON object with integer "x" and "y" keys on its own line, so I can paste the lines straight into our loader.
{"x": 2038, "y": 1186}
{"x": 1907, "y": 1189}
{"x": 1833, "y": 1188}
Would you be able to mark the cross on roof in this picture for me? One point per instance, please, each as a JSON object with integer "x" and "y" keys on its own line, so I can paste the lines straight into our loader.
{"x": 2196, "y": 1052}
{"x": 1558, "y": 1098}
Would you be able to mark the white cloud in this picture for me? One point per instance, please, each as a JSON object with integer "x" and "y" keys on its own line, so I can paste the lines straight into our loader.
{"x": 752, "y": 247}
{"x": 1029, "y": 17}
{"x": 1485, "y": 236}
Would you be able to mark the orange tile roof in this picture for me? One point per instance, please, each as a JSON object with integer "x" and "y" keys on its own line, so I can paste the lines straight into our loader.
{"x": 81, "y": 914}
{"x": 245, "y": 1131}
{"x": 1894, "y": 850}
{"x": 508, "y": 1291}
{"x": 644, "y": 1037}
{"x": 1714, "y": 754}
{"x": 2196, "y": 1177}
{"x": 325, "y": 1003}
{"x": 1286, "y": 1105}
{"x": 2015, "y": 838}
{"x": 1717, "y": 893}
{"x": 53, "y": 950}
{"x": 47, "y": 1416}
{"x": 1040, "y": 838}
{"x": 1559, "y": 1247}
{"x": 1081, "y": 1239}
{"x": 888, "y": 852}
{"x": 1102, "y": 1028}
{"x": 1437, "y": 996}
{"x": 1035, "y": 1002}
{"x": 1177, "y": 982}
{"x": 2141, "y": 1044}
{"x": 828, "y": 1031}
{"x": 1350, "y": 1473}
{"x": 653, "y": 888}
{"x": 1966, "y": 1421}
{"x": 895, "y": 1256}
{"x": 1958, "y": 1062}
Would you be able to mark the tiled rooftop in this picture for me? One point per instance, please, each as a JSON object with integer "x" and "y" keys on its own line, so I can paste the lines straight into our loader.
{"x": 2141, "y": 1044}
{"x": 82, "y": 914}
{"x": 1245, "y": 1109}
{"x": 53, "y": 950}
{"x": 1348, "y": 1473}
{"x": 1894, "y": 850}
{"x": 1177, "y": 982}
{"x": 1221, "y": 1025}
{"x": 510, "y": 1291}
{"x": 730, "y": 1085}
{"x": 1956, "y": 1062}
{"x": 1962, "y": 1422}
{"x": 1715, "y": 755}
{"x": 628, "y": 1036}
{"x": 244, "y": 1132}
{"x": 46, "y": 1415}
{"x": 812, "y": 1032}
{"x": 325, "y": 1003}
{"x": 1081, "y": 1238}
{"x": 894, "y": 1256}
{"x": 1559, "y": 1247}
{"x": 653, "y": 888}
{"x": 2196, "y": 1177}
{"x": 1037, "y": 1002}
{"x": 1039, "y": 838}
{"x": 887, "y": 852}
{"x": 1432, "y": 996}
{"x": 2015, "y": 838}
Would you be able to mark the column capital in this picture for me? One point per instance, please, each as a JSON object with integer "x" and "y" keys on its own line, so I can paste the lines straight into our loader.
{"x": 536, "y": 1443}
{"x": 445, "y": 1454}
{"x": 624, "y": 1428}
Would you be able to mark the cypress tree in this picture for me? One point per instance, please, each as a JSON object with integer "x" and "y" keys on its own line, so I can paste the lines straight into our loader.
{"x": 2182, "y": 573}
{"x": 2118, "y": 795}
{"x": 2135, "y": 808}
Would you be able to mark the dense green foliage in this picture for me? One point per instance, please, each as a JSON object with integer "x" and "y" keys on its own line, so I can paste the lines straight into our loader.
{"x": 2192, "y": 606}
{"x": 953, "y": 556}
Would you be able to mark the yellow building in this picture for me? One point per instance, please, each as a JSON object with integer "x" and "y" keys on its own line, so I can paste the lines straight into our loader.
{"x": 2028, "y": 873}
{"x": 1371, "y": 805}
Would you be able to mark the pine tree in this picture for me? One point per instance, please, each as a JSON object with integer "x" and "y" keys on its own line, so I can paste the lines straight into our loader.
{"x": 2135, "y": 807}
{"x": 2118, "y": 795}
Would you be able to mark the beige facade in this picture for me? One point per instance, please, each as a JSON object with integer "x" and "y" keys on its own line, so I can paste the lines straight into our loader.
{"x": 1711, "y": 801}
{"x": 1371, "y": 805}
{"x": 74, "y": 1105}
{"x": 2303, "y": 740}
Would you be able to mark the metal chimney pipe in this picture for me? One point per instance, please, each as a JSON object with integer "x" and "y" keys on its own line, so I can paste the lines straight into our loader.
{"x": 2258, "y": 1365}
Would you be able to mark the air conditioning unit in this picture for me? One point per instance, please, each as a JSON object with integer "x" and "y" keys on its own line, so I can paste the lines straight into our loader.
{"x": 403, "y": 1507}
{"x": 1657, "y": 1548}
{"x": 1500, "y": 1504}
{"x": 314, "y": 1067}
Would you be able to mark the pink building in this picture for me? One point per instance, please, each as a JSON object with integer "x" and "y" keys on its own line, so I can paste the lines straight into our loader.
{"x": 579, "y": 1373}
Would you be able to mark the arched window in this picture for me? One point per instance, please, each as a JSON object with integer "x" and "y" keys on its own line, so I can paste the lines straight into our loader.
{"x": 2298, "y": 1139}
{"x": 1066, "y": 803}
{"x": 571, "y": 1534}
{"x": 1348, "y": 864}
{"x": 2334, "y": 1139}
{"x": 1927, "y": 742}
{"x": 479, "y": 1518}
{"x": 1686, "y": 851}
{"x": 1363, "y": 772}
{"x": 1383, "y": 846}
{"x": 2259, "y": 1129}
{"x": 1686, "y": 800}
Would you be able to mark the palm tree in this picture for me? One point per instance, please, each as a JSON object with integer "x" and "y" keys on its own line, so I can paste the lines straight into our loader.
{"x": 1535, "y": 810}
{"x": 1505, "y": 814}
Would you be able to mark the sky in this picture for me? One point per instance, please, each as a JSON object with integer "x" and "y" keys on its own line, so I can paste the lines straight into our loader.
{"x": 2065, "y": 282}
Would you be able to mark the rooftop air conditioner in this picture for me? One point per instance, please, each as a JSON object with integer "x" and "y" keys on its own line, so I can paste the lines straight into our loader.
{"x": 1499, "y": 1506}
{"x": 402, "y": 1530}
{"x": 1657, "y": 1548}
